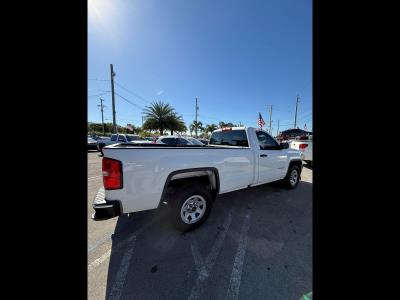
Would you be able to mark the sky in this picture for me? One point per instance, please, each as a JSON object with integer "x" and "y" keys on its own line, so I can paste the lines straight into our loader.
{"x": 236, "y": 57}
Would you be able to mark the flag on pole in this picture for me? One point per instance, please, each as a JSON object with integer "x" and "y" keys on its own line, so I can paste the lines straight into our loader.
{"x": 261, "y": 122}
{"x": 129, "y": 126}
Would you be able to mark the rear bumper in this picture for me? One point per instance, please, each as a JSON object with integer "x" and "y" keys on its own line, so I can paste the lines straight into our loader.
{"x": 105, "y": 209}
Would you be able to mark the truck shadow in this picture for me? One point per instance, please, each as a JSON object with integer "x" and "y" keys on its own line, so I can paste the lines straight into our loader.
{"x": 150, "y": 259}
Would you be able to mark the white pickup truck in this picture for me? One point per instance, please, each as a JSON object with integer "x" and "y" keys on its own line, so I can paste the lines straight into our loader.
{"x": 189, "y": 178}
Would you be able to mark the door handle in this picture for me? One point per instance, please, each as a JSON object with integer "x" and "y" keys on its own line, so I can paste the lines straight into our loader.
{"x": 263, "y": 155}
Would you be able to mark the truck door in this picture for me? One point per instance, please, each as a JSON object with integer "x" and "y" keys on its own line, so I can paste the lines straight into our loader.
{"x": 271, "y": 160}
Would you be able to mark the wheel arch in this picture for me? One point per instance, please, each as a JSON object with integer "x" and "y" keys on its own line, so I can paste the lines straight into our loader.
{"x": 192, "y": 175}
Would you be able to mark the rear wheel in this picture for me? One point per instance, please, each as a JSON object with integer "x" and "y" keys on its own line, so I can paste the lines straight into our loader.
{"x": 292, "y": 177}
{"x": 190, "y": 206}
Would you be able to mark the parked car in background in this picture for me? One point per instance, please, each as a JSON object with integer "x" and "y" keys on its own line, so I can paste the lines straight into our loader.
{"x": 91, "y": 144}
{"x": 120, "y": 138}
{"x": 305, "y": 147}
{"x": 293, "y": 133}
{"x": 204, "y": 141}
{"x": 173, "y": 140}
{"x": 150, "y": 138}
{"x": 194, "y": 141}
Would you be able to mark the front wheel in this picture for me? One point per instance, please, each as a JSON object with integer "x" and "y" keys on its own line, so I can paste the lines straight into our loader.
{"x": 190, "y": 206}
{"x": 292, "y": 177}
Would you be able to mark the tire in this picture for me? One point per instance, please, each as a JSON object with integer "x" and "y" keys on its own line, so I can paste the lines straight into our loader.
{"x": 291, "y": 180}
{"x": 182, "y": 200}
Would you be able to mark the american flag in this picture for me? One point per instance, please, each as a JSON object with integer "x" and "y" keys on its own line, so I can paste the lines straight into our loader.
{"x": 261, "y": 122}
{"x": 129, "y": 126}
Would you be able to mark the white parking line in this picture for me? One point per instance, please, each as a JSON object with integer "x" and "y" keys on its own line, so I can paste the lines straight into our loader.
{"x": 118, "y": 246}
{"x": 94, "y": 177}
{"x": 100, "y": 242}
{"x": 211, "y": 258}
{"x": 198, "y": 259}
{"x": 236, "y": 275}
{"x": 119, "y": 282}
{"x": 97, "y": 262}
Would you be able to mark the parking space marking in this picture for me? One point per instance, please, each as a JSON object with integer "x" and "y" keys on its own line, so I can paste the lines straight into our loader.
{"x": 99, "y": 242}
{"x": 198, "y": 259}
{"x": 119, "y": 282}
{"x": 196, "y": 291}
{"x": 118, "y": 246}
{"x": 236, "y": 275}
{"x": 94, "y": 177}
{"x": 97, "y": 262}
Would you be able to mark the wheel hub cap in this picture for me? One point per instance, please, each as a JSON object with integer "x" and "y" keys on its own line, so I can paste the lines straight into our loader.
{"x": 294, "y": 177}
{"x": 193, "y": 209}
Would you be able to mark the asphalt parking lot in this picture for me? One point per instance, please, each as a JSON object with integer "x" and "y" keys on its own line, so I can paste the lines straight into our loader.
{"x": 256, "y": 244}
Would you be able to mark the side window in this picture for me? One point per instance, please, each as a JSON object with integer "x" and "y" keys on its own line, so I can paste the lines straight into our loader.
{"x": 183, "y": 142}
{"x": 121, "y": 138}
{"x": 229, "y": 138}
{"x": 169, "y": 141}
{"x": 266, "y": 141}
{"x": 114, "y": 138}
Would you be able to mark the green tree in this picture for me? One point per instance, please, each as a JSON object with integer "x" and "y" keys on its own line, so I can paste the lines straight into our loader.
{"x": 223, "y": 124}
{"x": 210, "y": 128}
{"x": 196, "y": 125}
{"x": 176, "y": 123}
{"x": 161, "y": 116}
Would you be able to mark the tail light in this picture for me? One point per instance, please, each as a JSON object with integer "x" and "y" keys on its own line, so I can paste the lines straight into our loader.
{"x": 112, "y": 174}
{"x": 302, "y": 147}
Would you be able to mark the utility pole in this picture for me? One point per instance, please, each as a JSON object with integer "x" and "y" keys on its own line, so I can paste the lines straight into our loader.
{"x": 277, "y": 132}
{"x": 113, "y": 98}
{"x": 270, "y": 119}
{"x": 142, "y": 120}
{"x": 195, "y": 129}
{"x": 295, "y": 116}
{"x": 102, "y": 117}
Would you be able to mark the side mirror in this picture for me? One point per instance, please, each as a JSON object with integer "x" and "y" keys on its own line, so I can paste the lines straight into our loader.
{"x": 285, "y": 145}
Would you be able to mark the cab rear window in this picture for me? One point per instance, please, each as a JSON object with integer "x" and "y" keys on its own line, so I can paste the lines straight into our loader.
{"x": 229, "y": 138}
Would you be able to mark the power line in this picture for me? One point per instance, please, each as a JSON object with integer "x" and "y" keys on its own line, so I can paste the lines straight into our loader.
{"x": 98, "y": 95}
{"x": 133, "y": 93}
{"x": 129, "y": 101}
{"x": 95, "y": 79}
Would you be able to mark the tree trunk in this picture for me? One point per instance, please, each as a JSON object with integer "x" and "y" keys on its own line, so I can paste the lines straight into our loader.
{"x": 172, "y": 132}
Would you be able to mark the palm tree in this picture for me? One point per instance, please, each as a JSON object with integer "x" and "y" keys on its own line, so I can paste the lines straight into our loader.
{"x": 223, "y": 124}
{"x": 176, "y": 123}
{"x": 161, "y": 116}
{"x": 210, "y": 128}
{"x": 196, "y": 125}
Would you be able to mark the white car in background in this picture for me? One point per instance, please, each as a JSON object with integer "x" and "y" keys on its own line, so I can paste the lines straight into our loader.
{"x": 305, "y": 147}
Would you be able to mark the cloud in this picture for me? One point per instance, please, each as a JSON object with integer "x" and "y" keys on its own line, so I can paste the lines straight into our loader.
{"x": 160, "y": 92}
